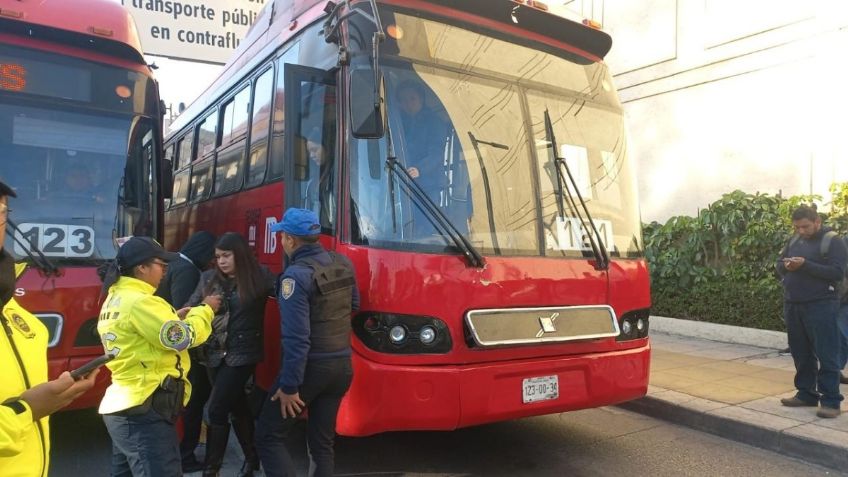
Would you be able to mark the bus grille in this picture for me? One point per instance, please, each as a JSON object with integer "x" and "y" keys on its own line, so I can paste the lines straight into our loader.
{"x": 515, "y": 326}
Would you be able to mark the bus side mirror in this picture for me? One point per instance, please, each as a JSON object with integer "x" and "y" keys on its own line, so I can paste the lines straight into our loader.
{"x": 367, "y": 105}
{"x": 167, "y": 179}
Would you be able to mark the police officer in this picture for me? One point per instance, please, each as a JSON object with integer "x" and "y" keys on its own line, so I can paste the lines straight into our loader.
{"x": 149, "y": 373}
{"x": 315, "y": 328}
{"x": 27, "y": 397}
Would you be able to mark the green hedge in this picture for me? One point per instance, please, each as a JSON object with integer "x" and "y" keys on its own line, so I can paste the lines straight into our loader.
{"x": 719, "y": 266}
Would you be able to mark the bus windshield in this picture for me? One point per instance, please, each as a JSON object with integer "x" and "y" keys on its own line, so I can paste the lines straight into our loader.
{"x": 82, "y": 179}
{"x": 467, "y": 119}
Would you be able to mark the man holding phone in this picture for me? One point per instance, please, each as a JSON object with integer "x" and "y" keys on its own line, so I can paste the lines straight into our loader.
{"x": 27, "y": 397}
{"x": 810, "y": 269}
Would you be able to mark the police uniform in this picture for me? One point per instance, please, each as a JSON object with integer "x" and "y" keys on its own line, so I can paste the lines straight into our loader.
{"x": 316, "y": 295}
{"x": 24, "y": 443}
{"x": 149, "y": 372}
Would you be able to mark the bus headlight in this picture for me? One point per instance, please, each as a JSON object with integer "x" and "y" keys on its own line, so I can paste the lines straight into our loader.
{"x": 397, "y": 334}
{"x": 402, "y": 334}
{"x": 427, "y": 335}
{"x": 634, "y": 325}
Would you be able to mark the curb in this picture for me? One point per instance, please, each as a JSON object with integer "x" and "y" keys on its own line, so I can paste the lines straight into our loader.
{"x": 717, "y": 332}
{"x": 792, "y": 445}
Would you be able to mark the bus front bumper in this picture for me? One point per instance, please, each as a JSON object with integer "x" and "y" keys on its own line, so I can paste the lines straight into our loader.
{"x": 392, "y": 397}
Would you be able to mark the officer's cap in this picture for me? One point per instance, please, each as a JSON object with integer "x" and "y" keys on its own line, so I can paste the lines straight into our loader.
{"x": 299, "y": 222}
{"x": 138, "y": 250}
{"x": 6, "y": 190}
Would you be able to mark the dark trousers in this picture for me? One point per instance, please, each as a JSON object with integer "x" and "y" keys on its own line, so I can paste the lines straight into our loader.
{"x": 145, "y": 445}
{"x": 193, "y": 414}
{"x": 324, "y": 385}
{"x": 816, "y": 343}
{"x": 842, "y": 320}
{"x": 228, "y": 394}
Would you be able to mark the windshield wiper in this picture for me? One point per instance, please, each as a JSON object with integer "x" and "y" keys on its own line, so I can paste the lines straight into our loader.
{"x": 486, "y": 186}
{"x": 39, "y": 259}
{"x": 422, "y": 200}
{"x": 598, "y": 249}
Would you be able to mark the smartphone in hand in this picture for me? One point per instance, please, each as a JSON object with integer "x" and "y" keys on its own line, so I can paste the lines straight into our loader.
{"x": 90, "y": 366}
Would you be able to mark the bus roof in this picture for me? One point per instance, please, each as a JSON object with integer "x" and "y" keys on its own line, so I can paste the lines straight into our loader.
{"x": 102, "y": 25}
{"x": 281, "y": 19}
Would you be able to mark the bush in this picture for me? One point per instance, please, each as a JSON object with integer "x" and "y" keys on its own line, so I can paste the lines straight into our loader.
{"x": 719, "y": 266}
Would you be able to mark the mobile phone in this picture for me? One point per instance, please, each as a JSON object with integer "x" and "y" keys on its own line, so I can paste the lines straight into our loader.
{"x": 90, "y": 366}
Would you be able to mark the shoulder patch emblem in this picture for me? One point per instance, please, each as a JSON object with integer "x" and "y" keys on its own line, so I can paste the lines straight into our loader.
{"x": 22, "y": 326}
{"x": 287, "y": 288}
{"x": 175, "y": 334}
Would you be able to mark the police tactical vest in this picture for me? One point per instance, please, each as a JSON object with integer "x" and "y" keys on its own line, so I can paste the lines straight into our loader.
{"x": 331, "y": 304}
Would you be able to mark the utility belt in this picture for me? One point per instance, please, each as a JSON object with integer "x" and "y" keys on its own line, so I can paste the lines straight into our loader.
{"x": 166, "y": 400}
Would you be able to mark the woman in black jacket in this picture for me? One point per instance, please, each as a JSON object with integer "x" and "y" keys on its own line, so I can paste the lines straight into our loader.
{"x": 234, "y": 347}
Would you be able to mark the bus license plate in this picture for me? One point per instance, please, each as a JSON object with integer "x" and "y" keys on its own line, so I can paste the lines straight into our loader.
{"x": 542, "y": 388}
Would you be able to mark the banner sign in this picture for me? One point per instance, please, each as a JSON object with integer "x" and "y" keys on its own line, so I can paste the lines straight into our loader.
{"x": 194, "y": 30}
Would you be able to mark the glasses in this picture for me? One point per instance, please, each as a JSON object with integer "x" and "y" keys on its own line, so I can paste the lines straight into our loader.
{"x": 164, "y": 265}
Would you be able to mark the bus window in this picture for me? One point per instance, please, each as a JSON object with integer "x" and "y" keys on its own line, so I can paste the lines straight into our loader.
{"x": 180, "y": 193}
{"x": 169, "y": 156}
{"x": 235, "y": 117}
{"x": 262, "y": 93}
{"x": 184, "y": 149}
{"x": 228, "y": 169}
{"x": 277, "y": 167}
{"x": 206, "y": 136}
{"x": 201, "y": 180}
{"x": 314, "y": 146}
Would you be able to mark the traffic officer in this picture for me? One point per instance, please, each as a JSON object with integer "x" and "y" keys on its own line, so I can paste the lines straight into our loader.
{"x": 149, "y": 340}
{"x": 27, "y": 397}
{"x": 316, "y": 295}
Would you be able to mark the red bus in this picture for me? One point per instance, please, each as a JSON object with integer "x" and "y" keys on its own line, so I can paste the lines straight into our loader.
{"x": 80, "y": 141}
{"x": 469, "y": 156}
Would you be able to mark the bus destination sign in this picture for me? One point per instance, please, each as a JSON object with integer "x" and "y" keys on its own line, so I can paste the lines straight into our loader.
{"x": 25, "y": 75}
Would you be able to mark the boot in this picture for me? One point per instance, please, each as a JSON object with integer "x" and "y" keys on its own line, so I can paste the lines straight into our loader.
{"x": 216, "y": 447}
{"x": 243, "y": 427}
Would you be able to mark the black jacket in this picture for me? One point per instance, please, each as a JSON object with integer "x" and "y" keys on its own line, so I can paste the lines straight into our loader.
{"x": 818, "y": 277}
{"x": 237, "y": 330}
{"x": 181, "y": 280}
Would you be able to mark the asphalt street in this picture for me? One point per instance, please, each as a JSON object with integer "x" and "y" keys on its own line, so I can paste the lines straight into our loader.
{"x": 596, "y": 442}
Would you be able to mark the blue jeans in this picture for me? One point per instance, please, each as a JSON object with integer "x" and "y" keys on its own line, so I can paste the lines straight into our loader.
{"x": 145, "y": 445}
{"x": 816, "y": 345}
{"x": 842, "y": 320}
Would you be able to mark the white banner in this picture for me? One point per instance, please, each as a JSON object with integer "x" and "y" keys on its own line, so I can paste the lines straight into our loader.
{"x": 195, "y": 30}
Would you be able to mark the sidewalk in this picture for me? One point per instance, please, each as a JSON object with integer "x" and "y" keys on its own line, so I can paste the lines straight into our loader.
{"x": 733, "y": 390}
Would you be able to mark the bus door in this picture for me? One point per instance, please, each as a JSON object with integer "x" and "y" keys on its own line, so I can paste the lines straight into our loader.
{"x": 311, "y": 180}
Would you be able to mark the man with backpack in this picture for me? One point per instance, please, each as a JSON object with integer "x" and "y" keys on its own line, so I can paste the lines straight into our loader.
{"x": 812, "y": 266}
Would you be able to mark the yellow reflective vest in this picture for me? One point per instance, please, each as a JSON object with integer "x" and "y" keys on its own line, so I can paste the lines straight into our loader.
{"x": 24, "y": 444}
{"x": 149, "y": 341}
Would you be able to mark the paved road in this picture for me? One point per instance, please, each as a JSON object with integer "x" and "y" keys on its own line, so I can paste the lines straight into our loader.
{"x": 598, "y": 442}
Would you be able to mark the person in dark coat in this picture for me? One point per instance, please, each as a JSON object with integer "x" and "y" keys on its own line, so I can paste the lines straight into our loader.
{"x": 424, "y": 136}
{"x": 235, "y": 347}
{"x": 811, "y": 304}
{"x": 316, "y": 295}
{"x": 176, "y": 288}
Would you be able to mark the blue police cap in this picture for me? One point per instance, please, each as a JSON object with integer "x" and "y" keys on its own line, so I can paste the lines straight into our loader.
{"x": 300, "y": 222}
